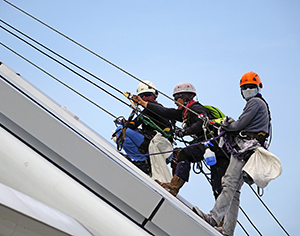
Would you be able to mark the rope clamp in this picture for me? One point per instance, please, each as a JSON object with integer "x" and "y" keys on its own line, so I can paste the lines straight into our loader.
{"x": 129, "y": 96}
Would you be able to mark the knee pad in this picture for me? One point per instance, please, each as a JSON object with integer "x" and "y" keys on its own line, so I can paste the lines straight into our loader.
{"x": 183, "y": 170}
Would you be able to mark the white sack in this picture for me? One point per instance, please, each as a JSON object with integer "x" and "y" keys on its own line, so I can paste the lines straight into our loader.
{"x": 263, "y": 166}
{"x": 160, "y": 170}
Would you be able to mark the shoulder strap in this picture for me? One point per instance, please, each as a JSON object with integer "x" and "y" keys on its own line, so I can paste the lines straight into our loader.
{"x": 269, "y": 114}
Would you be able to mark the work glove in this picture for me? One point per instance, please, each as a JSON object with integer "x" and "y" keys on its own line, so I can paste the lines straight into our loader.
{"x": 180, "y": 133}
{"x": 227, "y": 121}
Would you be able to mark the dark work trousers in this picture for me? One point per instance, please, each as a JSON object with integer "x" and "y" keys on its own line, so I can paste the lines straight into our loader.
{"x": 194, "y": 154}
{"x": 191, "y": 154}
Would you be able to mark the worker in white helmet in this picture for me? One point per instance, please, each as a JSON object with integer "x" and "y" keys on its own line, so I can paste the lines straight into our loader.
{"x": 139, "y": 136}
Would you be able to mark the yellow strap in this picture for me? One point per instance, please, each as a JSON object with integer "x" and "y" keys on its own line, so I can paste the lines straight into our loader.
{"x": 262, "y": 133}
{"x": 129, "y": 95}
{"x": 123, "y": 132}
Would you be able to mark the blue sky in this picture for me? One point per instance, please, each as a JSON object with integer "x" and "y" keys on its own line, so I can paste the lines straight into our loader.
{"x": 210, "y": 44}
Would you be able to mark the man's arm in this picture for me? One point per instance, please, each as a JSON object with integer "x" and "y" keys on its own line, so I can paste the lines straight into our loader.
{"x": 168, "y": 113}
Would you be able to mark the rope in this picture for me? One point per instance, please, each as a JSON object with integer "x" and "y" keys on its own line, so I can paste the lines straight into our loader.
{"x": 57, "y": 54}
{"x": 250, "y": 221}
{"x": 95, "y": 54}
{"x": 64, "y": 84}
{"x": 75, "y": 72}
{"x": 240, "y": 224}
{"x": 269, "y": 210}
{"x": 70, "y": 63}
{"x": 177, "y": 149}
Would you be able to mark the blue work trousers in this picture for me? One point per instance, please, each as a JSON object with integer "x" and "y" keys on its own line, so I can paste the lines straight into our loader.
{"x": 133, "y": 140}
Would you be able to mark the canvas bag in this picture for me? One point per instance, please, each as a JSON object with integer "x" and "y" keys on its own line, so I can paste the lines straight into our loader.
{"x": 263, "y": 166}
{"x": 160, "y": 170}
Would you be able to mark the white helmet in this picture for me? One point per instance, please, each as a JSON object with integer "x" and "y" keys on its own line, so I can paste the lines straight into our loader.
{"x": 143, "y": 88}
{"x": 184, "y": 88}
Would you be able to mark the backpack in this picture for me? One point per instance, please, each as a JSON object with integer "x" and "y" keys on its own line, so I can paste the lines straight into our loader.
{"x": 216, "y": 113}
{"x": 218, "y": 117}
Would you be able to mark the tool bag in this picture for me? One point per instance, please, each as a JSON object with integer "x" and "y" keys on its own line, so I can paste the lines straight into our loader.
{"x": 160, "y": 170}
{"x": 263, "y": 166}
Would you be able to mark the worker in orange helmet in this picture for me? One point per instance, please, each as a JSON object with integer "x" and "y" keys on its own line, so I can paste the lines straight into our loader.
{"x": 248, "y": 132}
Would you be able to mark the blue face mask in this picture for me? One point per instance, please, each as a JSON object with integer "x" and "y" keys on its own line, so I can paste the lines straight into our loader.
{"x": 249, "y": 93}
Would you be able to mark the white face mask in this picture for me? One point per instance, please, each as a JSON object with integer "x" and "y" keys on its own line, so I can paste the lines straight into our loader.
{"x": 249, "y": 93}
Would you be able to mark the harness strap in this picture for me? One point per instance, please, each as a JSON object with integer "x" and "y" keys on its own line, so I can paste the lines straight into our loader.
{"x": 260, "y": 136}
{"x": 148, "y": 121}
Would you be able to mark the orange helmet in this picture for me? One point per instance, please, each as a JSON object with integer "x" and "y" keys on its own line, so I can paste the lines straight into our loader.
{"x": 251, "y": 78}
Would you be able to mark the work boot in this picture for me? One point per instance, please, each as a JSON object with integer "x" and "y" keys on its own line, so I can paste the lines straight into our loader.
{"x": 174, "y": 186}
{"x": 207, "y": 217}
{"x": 221, "y": 230}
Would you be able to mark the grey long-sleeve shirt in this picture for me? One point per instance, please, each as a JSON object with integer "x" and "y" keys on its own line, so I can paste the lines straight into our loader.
{"x": 254, "y": 118}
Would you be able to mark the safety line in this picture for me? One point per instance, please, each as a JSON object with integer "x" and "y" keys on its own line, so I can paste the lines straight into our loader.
{"x": 89, "y": 100}
{"x": 57, "y": 61}
{"x": 95, "y": 54}
{"x": 177, "y": 149}
{"x": 245, "y": 231}
{"x": 269, "y": 210}
{"x": 57, "y": 54}
{"x": 250, "y": 221}
{"x": 157, "y": 121}
{"x": 72, "y": 40}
